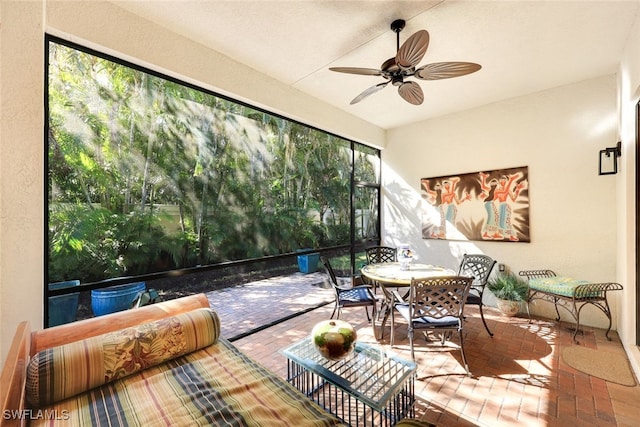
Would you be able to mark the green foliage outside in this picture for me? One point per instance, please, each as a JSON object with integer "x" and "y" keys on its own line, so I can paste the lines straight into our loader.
{"x": 147, "y": 175}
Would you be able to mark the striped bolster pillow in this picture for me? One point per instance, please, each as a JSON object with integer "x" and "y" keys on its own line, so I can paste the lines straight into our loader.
{"x": 57, "y": 373}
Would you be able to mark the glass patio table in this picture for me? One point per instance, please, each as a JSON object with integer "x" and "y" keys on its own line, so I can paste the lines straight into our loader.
{"x": 368, "y": 387}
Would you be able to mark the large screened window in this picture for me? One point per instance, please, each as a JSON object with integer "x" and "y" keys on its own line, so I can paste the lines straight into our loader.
{"x": 149, "y": 174}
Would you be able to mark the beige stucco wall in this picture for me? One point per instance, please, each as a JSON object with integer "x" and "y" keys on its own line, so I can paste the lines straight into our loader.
{"x": 557, "y": 134}
{"x": 102, "y": 26}
{"x": 21, "y": 166}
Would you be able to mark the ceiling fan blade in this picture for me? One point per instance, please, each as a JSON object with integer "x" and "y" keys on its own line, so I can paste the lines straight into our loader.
{"x": 413, "y": 49}
{"x": 411, "y": 92}
{"x": 356, "y": 70}
{"x": 446, "y": 70}
{"x": 370, "y": 91}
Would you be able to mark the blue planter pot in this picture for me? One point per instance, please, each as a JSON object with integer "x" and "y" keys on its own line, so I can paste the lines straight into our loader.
{"x": 115, "y": 298}
{"x": 63, "y": 308}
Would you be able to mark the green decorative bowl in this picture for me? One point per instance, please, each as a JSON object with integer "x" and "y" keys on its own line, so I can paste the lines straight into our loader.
{"x": 334, "y": 339}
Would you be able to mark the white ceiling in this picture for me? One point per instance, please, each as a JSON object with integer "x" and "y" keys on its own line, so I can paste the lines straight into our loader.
{"x": 523, "y": 46}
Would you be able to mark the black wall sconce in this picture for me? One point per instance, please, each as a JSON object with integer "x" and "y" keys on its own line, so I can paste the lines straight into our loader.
{"x": 608, "y": 162}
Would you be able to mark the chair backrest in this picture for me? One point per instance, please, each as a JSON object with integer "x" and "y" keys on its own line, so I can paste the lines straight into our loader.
{"x": 332, "y": 275}
{"x": 379, "y": 254}
{"x": 439, "y": 297}
{"x": 477, "y": 266}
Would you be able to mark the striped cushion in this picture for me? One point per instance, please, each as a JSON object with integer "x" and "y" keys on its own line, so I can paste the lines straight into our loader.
{"x": 58, "y": 373}
{"x": 215, "y": 386}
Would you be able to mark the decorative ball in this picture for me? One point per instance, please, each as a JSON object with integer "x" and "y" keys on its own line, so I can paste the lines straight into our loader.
{"x": 334, "y": 339}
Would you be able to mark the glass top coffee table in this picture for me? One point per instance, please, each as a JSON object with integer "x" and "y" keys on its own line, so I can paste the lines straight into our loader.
{"x": 368, "y": 387}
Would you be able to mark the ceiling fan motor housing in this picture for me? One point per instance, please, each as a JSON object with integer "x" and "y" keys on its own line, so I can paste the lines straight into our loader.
{"x": 398, "y": 25}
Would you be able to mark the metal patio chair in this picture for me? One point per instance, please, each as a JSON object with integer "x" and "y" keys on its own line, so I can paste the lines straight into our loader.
{"x": 436, "y": 304}
{"x": 349, "y": 296}
{"x": 378, "y": 254}
{"x": 479, "y": 267}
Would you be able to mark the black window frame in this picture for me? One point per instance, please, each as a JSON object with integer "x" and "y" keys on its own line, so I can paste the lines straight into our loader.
{"x": 355, "y": 245}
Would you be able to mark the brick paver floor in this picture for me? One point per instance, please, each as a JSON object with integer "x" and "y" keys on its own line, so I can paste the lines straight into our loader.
{"x": 519, "y": 376}
{"x": 244, "y": 308}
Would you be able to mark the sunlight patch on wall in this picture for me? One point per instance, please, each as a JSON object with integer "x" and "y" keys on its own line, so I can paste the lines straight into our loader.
{"x": 403, "y": 210}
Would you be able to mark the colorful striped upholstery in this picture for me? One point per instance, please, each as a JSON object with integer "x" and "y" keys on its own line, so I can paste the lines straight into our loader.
{"x": 61, "y": 372}
{"x": 215, "y": 386}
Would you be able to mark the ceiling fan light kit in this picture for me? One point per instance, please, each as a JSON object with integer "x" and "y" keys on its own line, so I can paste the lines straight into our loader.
{"x": 395, "y": 70}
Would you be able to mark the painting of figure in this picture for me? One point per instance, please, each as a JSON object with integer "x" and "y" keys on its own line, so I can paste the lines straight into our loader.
{"x": 486, "y": 205}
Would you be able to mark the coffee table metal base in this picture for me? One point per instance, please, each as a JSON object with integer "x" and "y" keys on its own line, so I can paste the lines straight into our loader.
{"x": 345, "y": 388}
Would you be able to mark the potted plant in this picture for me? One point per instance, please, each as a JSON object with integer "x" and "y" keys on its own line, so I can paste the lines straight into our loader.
{"x": 510, "y": 291}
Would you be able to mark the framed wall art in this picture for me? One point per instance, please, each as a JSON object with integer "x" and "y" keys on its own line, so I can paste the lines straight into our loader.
{"x": 487, "y": 205}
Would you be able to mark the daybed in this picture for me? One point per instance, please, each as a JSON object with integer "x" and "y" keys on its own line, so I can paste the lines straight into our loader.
{"x": 162, "y": 364}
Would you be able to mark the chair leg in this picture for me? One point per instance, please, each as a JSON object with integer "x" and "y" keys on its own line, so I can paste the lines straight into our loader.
{"x": 383, "y": 308}
{"x": 464, "y": 358}
{"x": 392, "y": 328}
{"x": 484, "y": 322}
{"x": 384, "y": 320}
{"x": 336, "y": 308}
{"x": 413, "y": 356}
{"x": 373, "y": 319}
{"x": 445, "y": 336}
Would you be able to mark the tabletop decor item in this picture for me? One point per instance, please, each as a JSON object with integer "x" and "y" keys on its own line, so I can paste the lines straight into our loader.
{"x": 405, "y": 256}
{"x": 334, "y": 339}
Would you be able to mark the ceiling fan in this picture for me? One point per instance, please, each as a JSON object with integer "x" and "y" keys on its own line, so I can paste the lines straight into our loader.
{"x": 395, "y": 70}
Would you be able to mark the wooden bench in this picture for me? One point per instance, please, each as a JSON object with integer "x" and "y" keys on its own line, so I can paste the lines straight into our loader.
{"x": 571, "y": 294}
